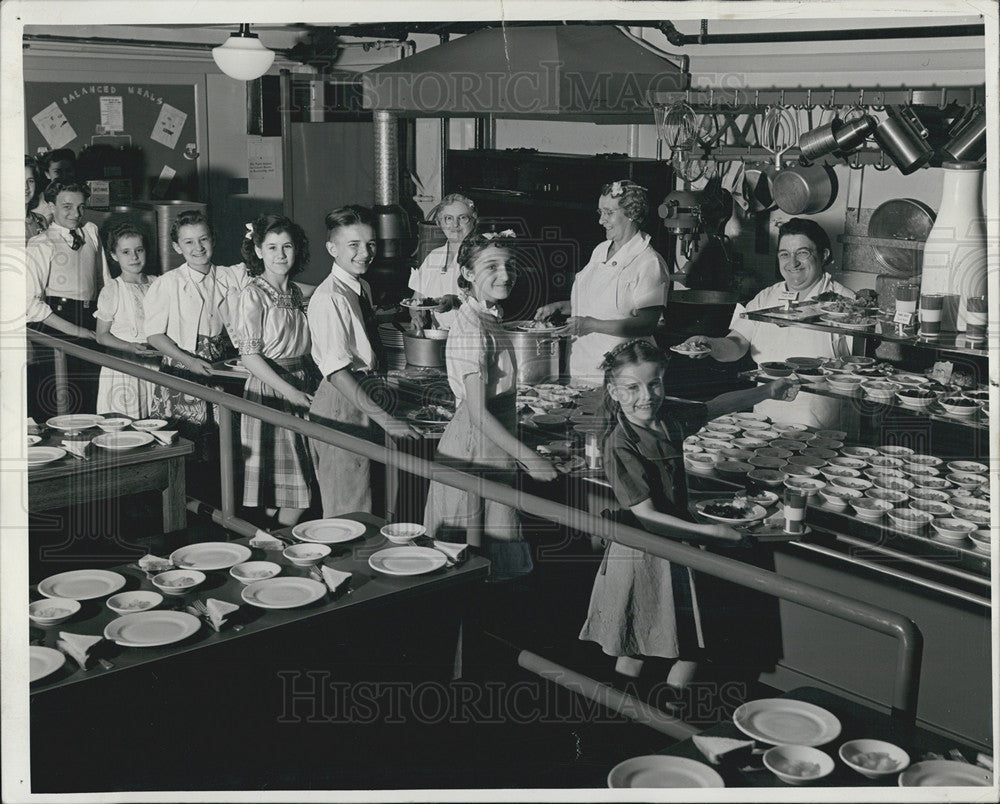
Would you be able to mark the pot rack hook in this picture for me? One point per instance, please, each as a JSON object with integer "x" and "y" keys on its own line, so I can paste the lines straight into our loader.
{"x": 854, "y": 161}
{"x": 882, "y": 165}
{"x": 833, "y": 99}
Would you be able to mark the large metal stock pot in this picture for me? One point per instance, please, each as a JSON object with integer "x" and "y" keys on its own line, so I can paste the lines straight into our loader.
{"x": 537, "y": 353}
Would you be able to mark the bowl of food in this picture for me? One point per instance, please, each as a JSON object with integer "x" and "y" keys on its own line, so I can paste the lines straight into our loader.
{"x": 853, "y": 483}
{"x": 820, "y": 453}
{"x": 734, "y": 454}
{"x": 727, "y": 430}
{"x": 874, "y": 758}
{"x": 844, "y": 383}
{"x": 915, "y": 397}
{"x": 403, "y": 532}
{"x": 919, "y": 470}
{"x": 250, "y": 571}
{"x": 929, "y": 495}
{"x": 776, "y": 369}
{"x": 980, "y": 396}
{"x": 885, "y": 462}
{"x": 149, "y": 424}
{"x": 762, "y": 462}
{"x": 700, "y": 463}
{"x": 895, "y": 452}
{"x": 804, "y": 362}
{"x": 761, "y": 434}
{"x": 891, "y": 483}
{"x": 967, "y": 480}
{"x": 837, "y": 498}
{"x": 807, "y": 485}
{"x": 810, "y": 374}
{"x": 52, "y": 610}
{"x": 962, "y": 502}
{"x": 937, "y": 483}
{"x": 953, "y": 530}
{"x": 807, "y": 460}
{"x": 859, "y": 361}
{"x": 980, "y": 519}
{"x": 909, "y": 520}
{"x": 860, "y": 453}
{"x": 791, "y": 444}
{"x": 894, "y": 497}
{"x": 848, "y": 462}
{"x": 307, "y": 554}
{"x": 746, "y": 442}
{"x": 879, "y": 390}
{"x": 836, "y": 435}
{"x": 798, "y": 764}
{"x": 751, "y": 418}
{"x": 131, "y": 602}
{"x": 773, "y": 452}
{"x": 830, "y": 472}
{"x": 766, "y": 478}
{"x": 825, "y": 443}
{"x": 869, "y": 509}
{"x": 733, "y": 471}
{"x": 792, "y": 470}
{"x": 959, "y": 405}
{"x": 114, "y": 424}
{"x": 970, "y": 467}
{"x": 796, "y": 433}
{"x": 932, "y": 507}
{"x": 981, "y": 540}
{"x": 713, "y": 445}
{"x": 178, "y": 582}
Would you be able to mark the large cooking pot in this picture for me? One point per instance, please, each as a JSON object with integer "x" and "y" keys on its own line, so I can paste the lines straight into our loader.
{"x": 700, "y": 312}
{"x": 425, "y": 350}
{"x": 537, "y": 354}
{"x": 804, "y": 190}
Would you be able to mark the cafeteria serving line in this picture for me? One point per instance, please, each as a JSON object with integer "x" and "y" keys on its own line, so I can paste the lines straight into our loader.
{"x": 419, "y": 433}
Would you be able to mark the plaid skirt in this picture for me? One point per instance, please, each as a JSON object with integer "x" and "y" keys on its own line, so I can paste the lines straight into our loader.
{"x": 278, "y": 469}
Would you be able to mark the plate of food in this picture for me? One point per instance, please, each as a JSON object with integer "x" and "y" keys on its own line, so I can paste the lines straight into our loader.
{"x": 692, "y": 349}
{"x": 546, "y": 327}
{"x": 793, "y": 313}
{"x": 849, "y": 321}
{"x": 428, "y": 303}
{"x": 731, "y": 511}
{"x": 430, "y": 414}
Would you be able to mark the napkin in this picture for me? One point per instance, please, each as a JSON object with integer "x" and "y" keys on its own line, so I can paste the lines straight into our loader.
{"x": 266, "y": 541}
{"x": 164, "y": 436}
{"x": 151, "y": 563}
{"x": 333, "y": 578}
{"x": 454, "y": 551}
{"x": 77, "y": 448}
{"x": 219, "y": 611}
{"x": 78, "y": 646}
{"x": 31, "y": 423}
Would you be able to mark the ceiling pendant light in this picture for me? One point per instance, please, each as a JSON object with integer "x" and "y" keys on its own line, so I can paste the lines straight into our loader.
{"x": 242, "y": 56}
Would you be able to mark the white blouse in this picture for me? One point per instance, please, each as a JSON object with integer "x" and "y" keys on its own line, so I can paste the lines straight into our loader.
{"x": 121, "y": 303}
{"x": 478, "y": 344}
{"x": 436, "y": 277}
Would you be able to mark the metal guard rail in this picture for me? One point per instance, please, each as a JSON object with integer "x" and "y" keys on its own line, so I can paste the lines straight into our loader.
{"x": 902, "y": 629}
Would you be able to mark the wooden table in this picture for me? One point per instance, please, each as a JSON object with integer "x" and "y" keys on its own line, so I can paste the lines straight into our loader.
{"x": 857, "y": 721}
{"x": 108, "y": 474}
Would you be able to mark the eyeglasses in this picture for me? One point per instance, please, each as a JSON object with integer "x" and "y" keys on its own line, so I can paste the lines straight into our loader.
{"x": 451, "y": 220}
{"x": 801, "y": 255}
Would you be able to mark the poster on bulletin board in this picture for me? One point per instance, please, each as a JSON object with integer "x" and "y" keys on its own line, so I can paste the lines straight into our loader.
{"x": 138, "y": 138}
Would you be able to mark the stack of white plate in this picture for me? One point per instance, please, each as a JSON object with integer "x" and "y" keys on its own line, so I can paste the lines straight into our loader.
{"x": 392, "y": 343}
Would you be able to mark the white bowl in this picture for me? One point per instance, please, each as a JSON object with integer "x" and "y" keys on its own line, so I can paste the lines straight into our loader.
{"x": 849, "y": 462}
{"x": 936, "y": 483}
{"x": 932, "y": 507}
{"x": 836, "y": 435}
{"x": 926, "y": 460}
{"x": 965, "y": 503}
{"x": 953, "y": 530}
{"x": 749, "y": 443}
{"x": 894, "y": 497}
{"x": 830, "y": 472}
{"x": 980, "y": 519}
{"x": 403, "y": 532}
{"x": 307, "y": 554}
{"x": 915, "y": 397}
{"x": 114, "y": 425}
{"x": 131, "y": 602}
{"x": 251, "y": 571}
{"x": 700, "y": 463}
{"x": 919, "y": 470}
{"x": 981, "y": 540}
{"x": 933, "y": 495}
{"x": 959, "y": 405}
{"x": 879, "y": 390}
{"x": 909, "y": 520}
{"x": 724, "y": 429}
{"x": 793, "y": 470}
{"x": 870, "y": 509}
{"x": 770, "y": 478}
{"x": 884, "y": 759}
{"x": 787, "y": 761}
{"x": 172, "y": 582}
{"x": 968, "y": 467}
{"x": 808, "y": 485}
{"x": 892, "y": 483}
{"x": 836, "y": 498}
{"x": 967, "y": 480}
{"x": 885, "y": 462}
{"x": 896, "y": 452}
{"x": 149, "y": 424}
{"x": 863, "y": 453}
{"x": 853, "y": 483}
{"x": 52, "y": 610}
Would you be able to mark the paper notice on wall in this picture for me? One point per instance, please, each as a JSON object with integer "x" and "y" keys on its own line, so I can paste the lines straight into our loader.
{"x": 100, "y": 194}
{"x": 54, "y": 126}
{"x": 261, "y": 158}
{"x": 112, "y": 114}
{"x": 167, "y": 129}
{"x": 163, "y": 183}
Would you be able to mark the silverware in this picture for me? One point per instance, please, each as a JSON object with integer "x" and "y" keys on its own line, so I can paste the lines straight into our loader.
{"x": 106, "y": 664}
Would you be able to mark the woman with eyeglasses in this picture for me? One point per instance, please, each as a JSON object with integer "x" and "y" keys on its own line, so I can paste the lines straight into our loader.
{"x": 803, "y": 258}
{"x": 437, "y": 276}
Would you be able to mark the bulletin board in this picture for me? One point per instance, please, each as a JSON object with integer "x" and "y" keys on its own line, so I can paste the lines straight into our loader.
{"x": 154, "y": 123}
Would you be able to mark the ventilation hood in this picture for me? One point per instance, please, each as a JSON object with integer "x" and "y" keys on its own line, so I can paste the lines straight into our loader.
{"x": 592, "y": 73}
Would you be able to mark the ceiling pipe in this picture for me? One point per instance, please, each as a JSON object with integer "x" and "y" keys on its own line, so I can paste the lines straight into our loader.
{"x": 679, "y": 39}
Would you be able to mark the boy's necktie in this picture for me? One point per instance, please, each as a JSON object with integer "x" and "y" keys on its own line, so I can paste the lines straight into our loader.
{"x": 371, "y": 329}
{"x": 77, "y": 239}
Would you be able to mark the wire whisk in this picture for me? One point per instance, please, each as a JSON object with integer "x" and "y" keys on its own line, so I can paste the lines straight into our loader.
{"x": 779, "y": 131}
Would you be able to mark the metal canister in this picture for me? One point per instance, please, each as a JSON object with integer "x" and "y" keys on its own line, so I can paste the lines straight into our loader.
{"x": 969, "y": 143}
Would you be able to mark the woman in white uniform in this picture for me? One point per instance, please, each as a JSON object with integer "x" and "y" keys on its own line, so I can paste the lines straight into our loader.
{"x": 803, "y": 256}
{"x": 437, "y": 276}
{"x": 621, "y": 292}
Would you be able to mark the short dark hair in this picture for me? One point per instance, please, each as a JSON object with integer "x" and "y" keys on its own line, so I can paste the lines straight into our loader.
{"x": 56, "y": 187}
{"x": 32, "y": 164}
{"x": 59, "y": 155}
{"x": 807, "y": 228}
{"x": 349, "y": 215}
{"x": 274, "y": 224}
{"x": 190, "y": 217}
{"x": 477, "y": 241}
{"x": 632, "y": 198}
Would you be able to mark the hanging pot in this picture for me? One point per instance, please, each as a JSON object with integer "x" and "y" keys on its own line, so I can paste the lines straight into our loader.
{"x": 757, "y": 188}
{"x": 820, "y": 141}
{"x": 804, "y": 190}
{"x": 904, "y": 139}
{"x": 969, "y": 143}
{"x": 854, "y": 132}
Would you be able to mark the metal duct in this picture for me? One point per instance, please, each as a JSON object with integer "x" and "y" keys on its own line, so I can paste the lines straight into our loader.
{"x": 386, "y": 159}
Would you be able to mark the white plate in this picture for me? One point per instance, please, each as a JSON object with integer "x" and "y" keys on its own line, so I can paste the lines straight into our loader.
{"x": 419, "y": 305}
{"x": 38, "y": 456}
{"x": 783, "y": 721}
{"x": 945, "y": 773}
{"x": 544, "y": 329}
{"x": 837, "y": 322}
{"x": 122, "y": 441}
{"x": 286, "y": 592}
{"x": 407, "y": 560}
{"x": 328, "y": 531}
{"x": 150, "y": 629}
{"x": 691, "y": 352}
{"x": 663, "y": 771}
{"x": 210, "y": 555}
{"x": 74, "y": 422}
{"x": 149, "y": 424}
{"x": 82, "y": 584}
{"x": 44, "y": 661}
{"x": 756, "y": 512}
